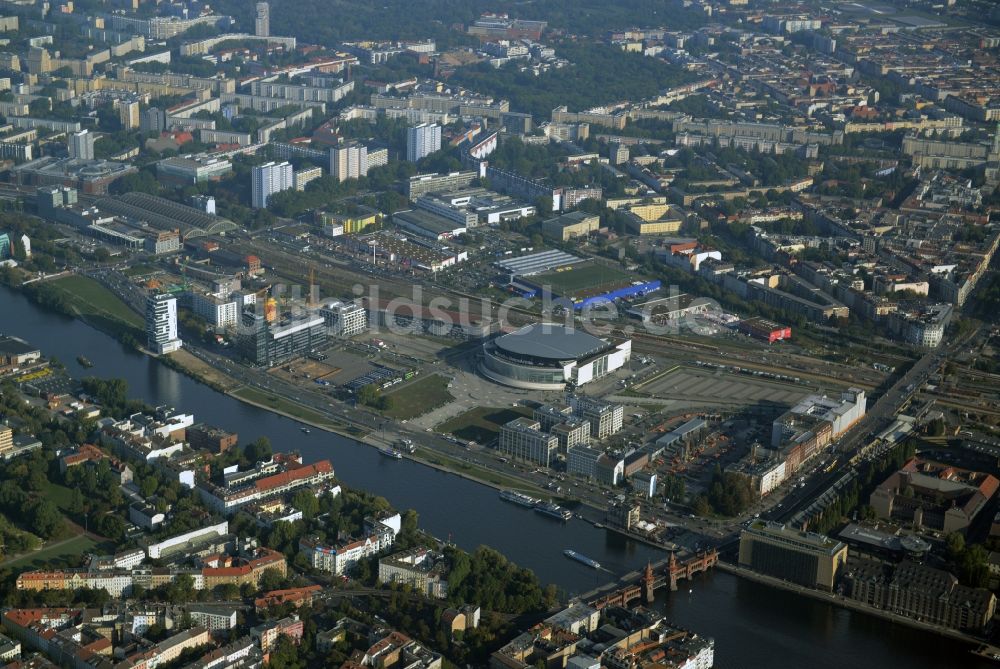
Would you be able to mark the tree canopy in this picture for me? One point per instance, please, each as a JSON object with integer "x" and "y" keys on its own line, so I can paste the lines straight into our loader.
{"x": 598, "y": 75}
{"x": 404, "y": 19}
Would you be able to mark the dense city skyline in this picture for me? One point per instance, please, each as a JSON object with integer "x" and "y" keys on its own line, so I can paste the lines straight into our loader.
{"x": 577, "y": 335}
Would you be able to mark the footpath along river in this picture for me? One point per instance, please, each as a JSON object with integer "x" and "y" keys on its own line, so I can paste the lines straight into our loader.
{"x": 754, "y": 626}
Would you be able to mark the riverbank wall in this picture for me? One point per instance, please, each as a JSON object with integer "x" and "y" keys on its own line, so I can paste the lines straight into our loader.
{"x": 834, "y": 599}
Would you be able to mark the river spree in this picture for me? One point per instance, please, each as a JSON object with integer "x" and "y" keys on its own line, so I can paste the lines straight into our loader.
{"x": 753, "y": 626}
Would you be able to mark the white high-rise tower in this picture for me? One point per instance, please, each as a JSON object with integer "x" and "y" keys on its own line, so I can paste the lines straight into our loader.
{"x": 262, "y": 22}
{"x": 349, "y": 161}
{"x": 422, "y": 140}
{"x": 81, "y": 145}
{"x": 161, "y": 323}
{"x": 269, "y": 179}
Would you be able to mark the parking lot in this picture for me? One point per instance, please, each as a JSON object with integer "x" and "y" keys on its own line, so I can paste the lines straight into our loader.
{"x": 337, "y": 368}
{"x": 412, "y": 347}
{"x": 722, "y": 388}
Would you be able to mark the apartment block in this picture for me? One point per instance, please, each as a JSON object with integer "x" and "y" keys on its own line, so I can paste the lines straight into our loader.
{"x": 423, "y": 570}
{"x": 229, "y": 497}
{"x": 349, "y": 161}
{"x": 341, "y": 557}
{"x": 161, "y": 323}
{"x": 269, "y": 179}
{"x": 422, "y": 140}
{"x": 268, "y": 633}
{"x": 219, "y": 312}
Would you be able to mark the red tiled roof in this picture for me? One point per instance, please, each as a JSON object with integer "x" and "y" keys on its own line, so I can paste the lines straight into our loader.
{"x": 85, "y": 453}
{"x": 283, "y": 478}
{"x": 266, "y": 556}
{"x": 24, "y": 617}
{"x": 98, "y": 645}
{"x": 216, "y": 572}
{"x": 285, "y": 596}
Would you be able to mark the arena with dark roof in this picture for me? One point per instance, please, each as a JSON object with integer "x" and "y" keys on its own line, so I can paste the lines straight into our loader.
{"x": 549, "y": 356}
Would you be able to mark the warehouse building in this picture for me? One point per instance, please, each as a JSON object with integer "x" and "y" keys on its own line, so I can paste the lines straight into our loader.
{"x": 806, "y": 558}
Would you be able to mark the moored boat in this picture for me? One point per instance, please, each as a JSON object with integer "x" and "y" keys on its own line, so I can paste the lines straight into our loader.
{"x": 554, "y": 510}
{"x": 987, "y": 652}
{"x": 518, "y": 498}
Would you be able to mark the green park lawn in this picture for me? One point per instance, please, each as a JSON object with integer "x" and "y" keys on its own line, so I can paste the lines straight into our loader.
{"x": 94, "y": 302}
{"x": 482, "y": 424}
{"x": 61, "y": 496}
{"x": 65, "y": 551}
{"x": 419, "y": 397}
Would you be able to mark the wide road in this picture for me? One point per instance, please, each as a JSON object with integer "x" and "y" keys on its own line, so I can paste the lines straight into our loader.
{"x": 856, "y": 444}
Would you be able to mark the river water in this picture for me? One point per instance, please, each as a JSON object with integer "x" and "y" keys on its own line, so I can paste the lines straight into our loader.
{"x": 753, "y": 626}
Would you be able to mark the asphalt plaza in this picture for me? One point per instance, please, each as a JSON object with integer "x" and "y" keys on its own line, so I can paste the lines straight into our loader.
{"x": 722, "y": 388}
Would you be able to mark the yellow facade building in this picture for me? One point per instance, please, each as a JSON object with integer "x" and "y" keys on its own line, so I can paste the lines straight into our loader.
{"x": 653, "y": 218}
{"x": 338, "y": 224}
{"x": 806, "y": 558}
{"x": 566, "y": 227}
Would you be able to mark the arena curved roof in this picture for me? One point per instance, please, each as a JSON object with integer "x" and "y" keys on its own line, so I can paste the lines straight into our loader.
{"x": 550, "y": 341}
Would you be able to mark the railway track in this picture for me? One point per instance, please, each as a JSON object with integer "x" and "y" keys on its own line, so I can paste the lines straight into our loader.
{"x": 713, "y": 354}
{"x": 292, "y": 267}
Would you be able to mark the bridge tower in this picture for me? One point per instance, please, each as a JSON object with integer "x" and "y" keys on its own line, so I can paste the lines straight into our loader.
{"x": 648, "y": 584}
{"x": 672, "y": 569}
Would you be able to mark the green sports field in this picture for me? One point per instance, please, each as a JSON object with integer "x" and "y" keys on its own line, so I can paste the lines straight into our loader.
{"x": 583, "y": 280}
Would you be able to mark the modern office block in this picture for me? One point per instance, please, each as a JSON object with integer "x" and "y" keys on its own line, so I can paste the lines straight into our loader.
{"x": 523, "y": 439}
